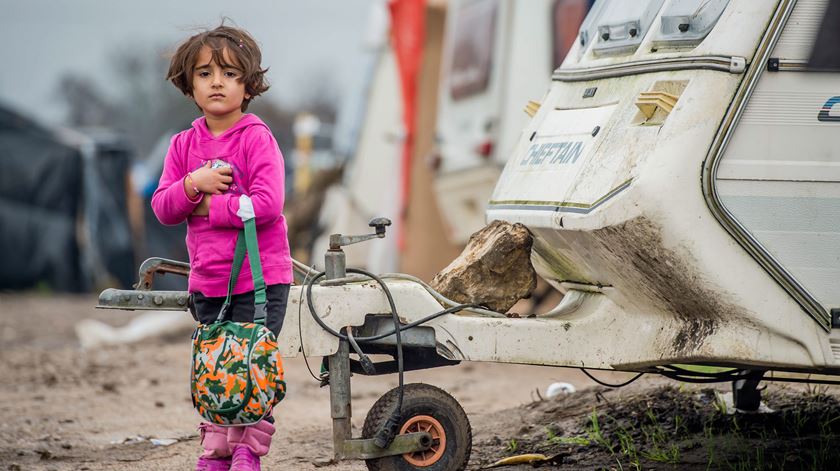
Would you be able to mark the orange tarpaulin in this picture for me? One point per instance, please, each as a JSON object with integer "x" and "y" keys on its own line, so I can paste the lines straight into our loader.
{"x": 407, "y": 37}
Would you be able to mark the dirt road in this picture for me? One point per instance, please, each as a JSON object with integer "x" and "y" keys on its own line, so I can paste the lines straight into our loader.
{"x": 64, "y": 408}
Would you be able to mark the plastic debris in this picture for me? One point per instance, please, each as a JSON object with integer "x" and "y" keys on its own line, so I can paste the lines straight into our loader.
{"x": 529, "y": 458}
{"x": 93, "y": 333}
{"x": 557, "y": 389}
{"x": 163, "y": 441}
{"x": 142, "y": 438}
{"x": 535, "y": 460}
{"x": 130, "y": 440}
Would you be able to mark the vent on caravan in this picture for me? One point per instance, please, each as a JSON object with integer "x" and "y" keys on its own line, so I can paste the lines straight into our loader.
{"x": 688, "y": 22}
{"x": 622, "y": 25}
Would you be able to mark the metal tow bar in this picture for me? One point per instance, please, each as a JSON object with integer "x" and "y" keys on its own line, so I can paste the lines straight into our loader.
{"x": 143, "y": 298}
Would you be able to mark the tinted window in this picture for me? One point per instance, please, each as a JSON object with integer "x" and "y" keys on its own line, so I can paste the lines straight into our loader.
{"x": 826, "y": 53}
{"x": 472, "y": 54}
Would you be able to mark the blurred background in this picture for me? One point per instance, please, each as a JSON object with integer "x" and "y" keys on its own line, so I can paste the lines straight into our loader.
{"x": 405, "y": 109}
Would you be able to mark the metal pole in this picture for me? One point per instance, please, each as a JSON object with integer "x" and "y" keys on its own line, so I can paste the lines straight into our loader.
{"x": 335, "y": 264}
{"x": 340, "y": 397}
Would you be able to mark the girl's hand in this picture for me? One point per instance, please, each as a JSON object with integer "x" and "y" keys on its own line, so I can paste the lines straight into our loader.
{"x": 203, "y": 208}
{"x": 212, "y": 181}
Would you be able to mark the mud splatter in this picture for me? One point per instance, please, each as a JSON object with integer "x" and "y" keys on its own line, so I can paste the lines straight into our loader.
{"x": 640, "y": 263}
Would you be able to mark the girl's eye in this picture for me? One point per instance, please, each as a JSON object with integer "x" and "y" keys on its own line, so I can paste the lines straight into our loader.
{"x": 231, "y": 74}
{"x": 204, "y": 74}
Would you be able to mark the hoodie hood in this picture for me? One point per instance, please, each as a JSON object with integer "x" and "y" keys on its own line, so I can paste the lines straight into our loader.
{"x": 247, "y": 120}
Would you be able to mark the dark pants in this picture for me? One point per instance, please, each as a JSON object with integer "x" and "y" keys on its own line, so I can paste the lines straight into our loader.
{"x": 241, "y": 309}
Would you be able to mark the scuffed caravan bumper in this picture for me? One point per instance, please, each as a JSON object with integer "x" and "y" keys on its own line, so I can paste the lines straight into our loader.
{"x": 598, "y": 334}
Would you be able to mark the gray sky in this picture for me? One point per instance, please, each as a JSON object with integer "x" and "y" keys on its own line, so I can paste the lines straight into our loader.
{"x": 42, "y": 39}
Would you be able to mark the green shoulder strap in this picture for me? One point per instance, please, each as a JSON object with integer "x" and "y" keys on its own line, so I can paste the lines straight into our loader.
{"x": 246, "y": 240}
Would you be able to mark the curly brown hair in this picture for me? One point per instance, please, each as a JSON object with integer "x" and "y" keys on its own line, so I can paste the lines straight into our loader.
{"x": 241, "y": 48}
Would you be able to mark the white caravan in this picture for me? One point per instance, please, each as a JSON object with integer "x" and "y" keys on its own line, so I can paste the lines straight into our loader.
{"x": 498, "y": 56}
{"x": 683, "y": 172}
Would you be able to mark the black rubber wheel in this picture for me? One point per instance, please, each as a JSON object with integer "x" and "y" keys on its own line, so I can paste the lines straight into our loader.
{"x": 426, "y": 408}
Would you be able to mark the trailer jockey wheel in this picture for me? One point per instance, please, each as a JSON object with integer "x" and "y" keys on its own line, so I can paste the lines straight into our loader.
{"x": 425, "y": 409}
{"x": 425, "y": 423}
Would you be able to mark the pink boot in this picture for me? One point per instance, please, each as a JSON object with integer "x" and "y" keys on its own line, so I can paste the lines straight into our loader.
{"x": 216, "y": 455}
{"x": 248, "y": 444}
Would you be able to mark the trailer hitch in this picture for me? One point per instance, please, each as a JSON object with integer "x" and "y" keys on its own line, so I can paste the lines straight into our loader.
{"x": 159, "y": 265}
{"x": 142, "y": 297}
{"x": 142, "y": 300}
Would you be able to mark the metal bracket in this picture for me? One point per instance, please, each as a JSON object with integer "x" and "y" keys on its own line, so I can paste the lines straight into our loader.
{"x": 745, "y": 392}
{"x": 379, "y": 224}
{"x": 344, "y": 445}
{"x": 365, "y": 449}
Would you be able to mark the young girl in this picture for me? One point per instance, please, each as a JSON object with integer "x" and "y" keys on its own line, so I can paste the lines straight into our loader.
{"x": 226, "y": 166}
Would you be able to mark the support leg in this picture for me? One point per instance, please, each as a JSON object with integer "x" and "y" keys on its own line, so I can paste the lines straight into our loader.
{"x": 340, "y": 397}
{"x": 745, "y": 393}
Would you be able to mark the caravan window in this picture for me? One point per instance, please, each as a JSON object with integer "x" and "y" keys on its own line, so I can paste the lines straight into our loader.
{"x": 472, "y": 52}
{"x": 567, "y": 16}
{"x": 826, "y": 54}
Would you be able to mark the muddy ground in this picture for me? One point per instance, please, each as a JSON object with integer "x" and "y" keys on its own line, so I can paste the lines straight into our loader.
{"x": 64, "y": 408}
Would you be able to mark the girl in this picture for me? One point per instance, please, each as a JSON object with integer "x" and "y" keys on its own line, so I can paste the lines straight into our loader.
{"x": 226, "y": 166}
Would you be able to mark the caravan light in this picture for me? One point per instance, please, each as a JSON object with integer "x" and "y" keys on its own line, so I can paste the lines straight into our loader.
{"x": 485, "y": 149}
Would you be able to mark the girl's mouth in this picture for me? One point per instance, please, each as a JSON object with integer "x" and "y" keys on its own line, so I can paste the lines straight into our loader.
{"x": 217, "y": 95}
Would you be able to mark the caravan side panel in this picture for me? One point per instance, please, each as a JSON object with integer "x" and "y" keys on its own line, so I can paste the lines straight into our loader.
{"x": 780, "y": 174}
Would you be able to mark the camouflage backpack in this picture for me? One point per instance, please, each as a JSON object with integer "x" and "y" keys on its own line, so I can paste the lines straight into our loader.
{"x": 237, "y": 374}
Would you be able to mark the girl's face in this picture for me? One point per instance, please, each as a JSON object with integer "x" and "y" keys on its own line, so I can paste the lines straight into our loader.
{"x": 217, "y": 89}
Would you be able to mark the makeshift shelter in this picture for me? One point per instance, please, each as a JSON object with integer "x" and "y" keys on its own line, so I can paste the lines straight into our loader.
{"x": 63, "y": 216}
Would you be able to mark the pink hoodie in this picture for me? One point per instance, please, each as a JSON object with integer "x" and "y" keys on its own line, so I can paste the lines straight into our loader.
{"x": 252, "y": 152}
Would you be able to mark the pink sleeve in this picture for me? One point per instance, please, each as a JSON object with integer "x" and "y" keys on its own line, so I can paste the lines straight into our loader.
{"x": 170, "y": 202}
{"x": 266, "y": 184}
